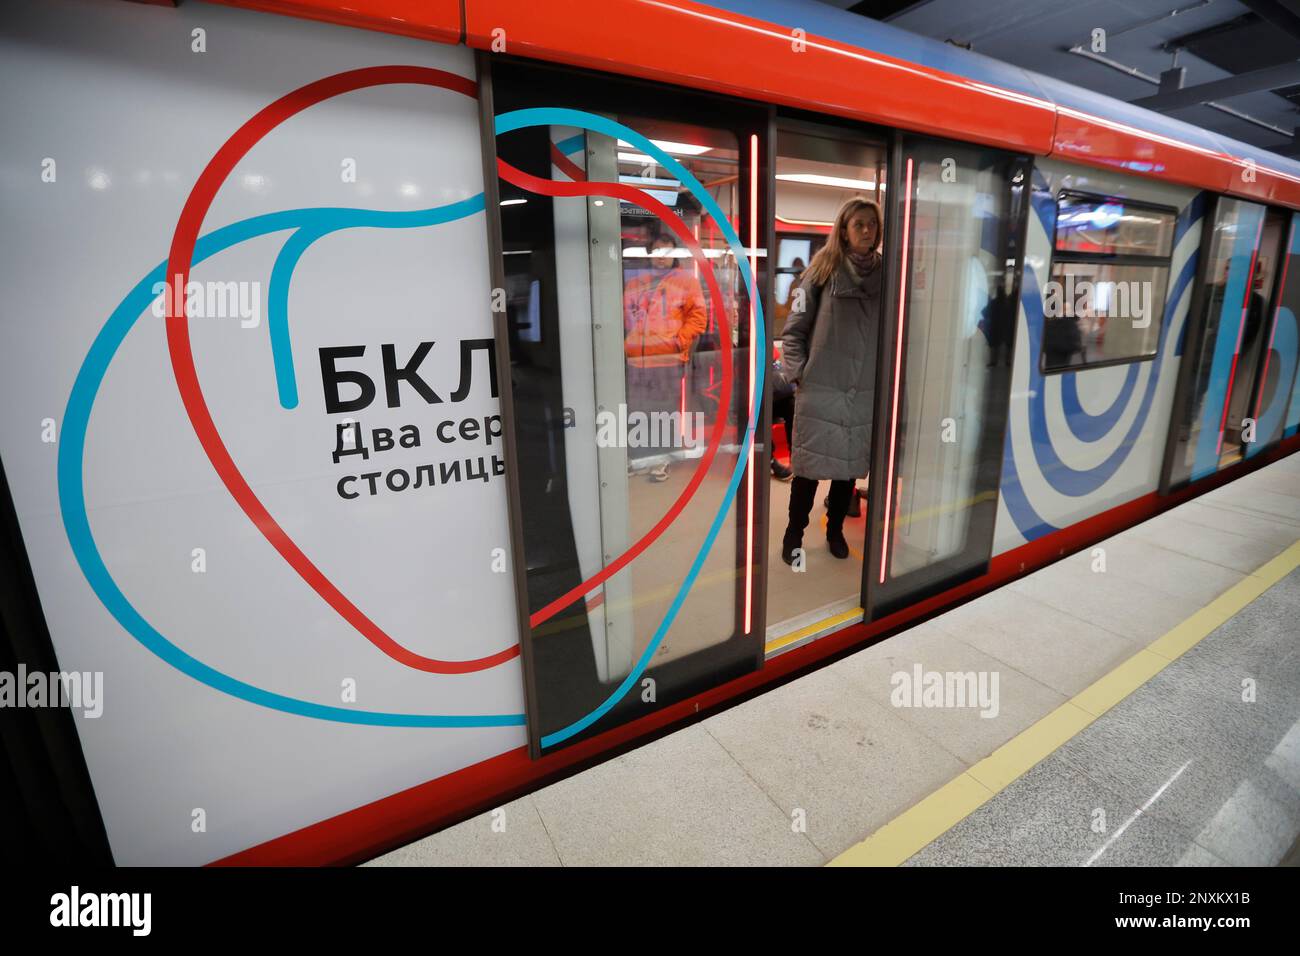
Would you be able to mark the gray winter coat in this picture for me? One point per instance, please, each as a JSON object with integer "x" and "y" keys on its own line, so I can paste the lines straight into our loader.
{"x": 829, "y": 350}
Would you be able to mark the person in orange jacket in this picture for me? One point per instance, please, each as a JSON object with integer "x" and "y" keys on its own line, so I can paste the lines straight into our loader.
{"x": 663, "y": 313}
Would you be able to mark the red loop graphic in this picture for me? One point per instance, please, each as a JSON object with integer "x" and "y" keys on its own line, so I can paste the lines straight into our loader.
{"x": 566, "y": 165}
{"x": 179, "y": 261}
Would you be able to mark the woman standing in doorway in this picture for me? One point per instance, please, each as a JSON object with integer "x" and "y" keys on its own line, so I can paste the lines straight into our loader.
{"x": 829, "y": 353}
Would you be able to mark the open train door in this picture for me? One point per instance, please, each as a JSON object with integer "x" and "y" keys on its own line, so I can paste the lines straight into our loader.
{"x": 630, "y": 267}
{"x": 955, "y": 241}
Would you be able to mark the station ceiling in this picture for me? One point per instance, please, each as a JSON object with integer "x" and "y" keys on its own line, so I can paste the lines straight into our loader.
{"x": 1253, "y": 45}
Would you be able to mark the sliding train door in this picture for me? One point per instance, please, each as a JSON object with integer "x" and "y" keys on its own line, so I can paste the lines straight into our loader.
{"x": 628, "y": 288}
{"x": 955, "y": 245}
{"x": 1235, "y": 389}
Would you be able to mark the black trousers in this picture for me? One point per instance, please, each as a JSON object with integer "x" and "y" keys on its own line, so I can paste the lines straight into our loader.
{"x": 803, "y": 492}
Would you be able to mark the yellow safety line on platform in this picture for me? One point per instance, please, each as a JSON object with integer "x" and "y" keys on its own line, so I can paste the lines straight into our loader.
{"x": 921, "y": 825}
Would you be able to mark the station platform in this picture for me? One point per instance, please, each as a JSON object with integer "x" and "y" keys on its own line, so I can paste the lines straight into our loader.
{"x": 1144, "y": 714}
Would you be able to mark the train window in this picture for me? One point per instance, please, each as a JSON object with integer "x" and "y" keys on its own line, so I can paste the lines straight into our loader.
{"x": 1112, "y": 227}
{"x": 963, "y": 211}
{"x": 1238, "y": 342}
{"x": 629, "y": 318}
{"x": 1110, "y": 271}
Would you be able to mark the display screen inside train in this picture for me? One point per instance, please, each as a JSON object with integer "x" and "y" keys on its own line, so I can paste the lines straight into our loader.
{"x": 1086, "y": 224}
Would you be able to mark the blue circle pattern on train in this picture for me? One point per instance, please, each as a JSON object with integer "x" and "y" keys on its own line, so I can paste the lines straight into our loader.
{"x": 1084, "y": 426}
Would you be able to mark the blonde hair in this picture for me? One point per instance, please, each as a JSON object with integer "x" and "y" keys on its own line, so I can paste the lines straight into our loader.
{"x": 829, "y": 257}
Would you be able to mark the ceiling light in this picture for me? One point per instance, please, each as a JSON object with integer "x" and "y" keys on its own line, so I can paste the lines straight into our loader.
{"x": 815, "y": 179}
{"x": 804, "y": 222}
{"x": 681, "y": 149}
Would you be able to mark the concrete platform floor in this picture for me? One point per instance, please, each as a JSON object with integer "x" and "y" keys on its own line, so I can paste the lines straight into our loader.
{"x": 1136, "y": 723}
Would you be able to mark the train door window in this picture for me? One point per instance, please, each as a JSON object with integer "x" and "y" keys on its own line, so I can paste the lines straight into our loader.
{"x": 622, "y": 208}
{"x": 946, "y": 372}
{"x": 818, "y": 169}
{"x": 1241, "y": 427}
{"x": 1227, "y": 350}
{"x": 1270, "y": 406}
{"x": 1286, "y": 342}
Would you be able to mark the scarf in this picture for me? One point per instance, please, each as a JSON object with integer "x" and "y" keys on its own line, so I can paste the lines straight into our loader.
{"x": 864, "y": 265}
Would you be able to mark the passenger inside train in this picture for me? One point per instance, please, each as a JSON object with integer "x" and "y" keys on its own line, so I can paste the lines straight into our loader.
{"x": 830, "y": 341}
{"x": 664, "y": 315}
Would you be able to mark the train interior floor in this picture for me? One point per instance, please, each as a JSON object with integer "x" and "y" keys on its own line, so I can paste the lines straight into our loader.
{"x": 823, "y": 590}
{"x": 1144, "y": 715}
{"x": 827, "y": 585}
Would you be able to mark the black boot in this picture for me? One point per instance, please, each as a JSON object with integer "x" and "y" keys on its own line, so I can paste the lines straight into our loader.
{"x": 803, "y": 491}
{"x": 835, "y": 541}
{"x": 793, "y": 539}
{"x": 837, "y": 504}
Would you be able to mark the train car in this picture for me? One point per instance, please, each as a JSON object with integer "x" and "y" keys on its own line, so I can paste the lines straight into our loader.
{"x": 389, "y": 385}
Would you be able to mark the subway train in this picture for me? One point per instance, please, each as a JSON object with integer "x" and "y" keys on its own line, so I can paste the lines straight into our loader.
{"x": 390, "y": 388}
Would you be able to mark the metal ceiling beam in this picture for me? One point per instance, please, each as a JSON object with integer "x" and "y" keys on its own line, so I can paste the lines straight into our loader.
{"x": 1269, "y": 78}
{"x": 1155, "y": 81}
{"x": 1282, "y": 14}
